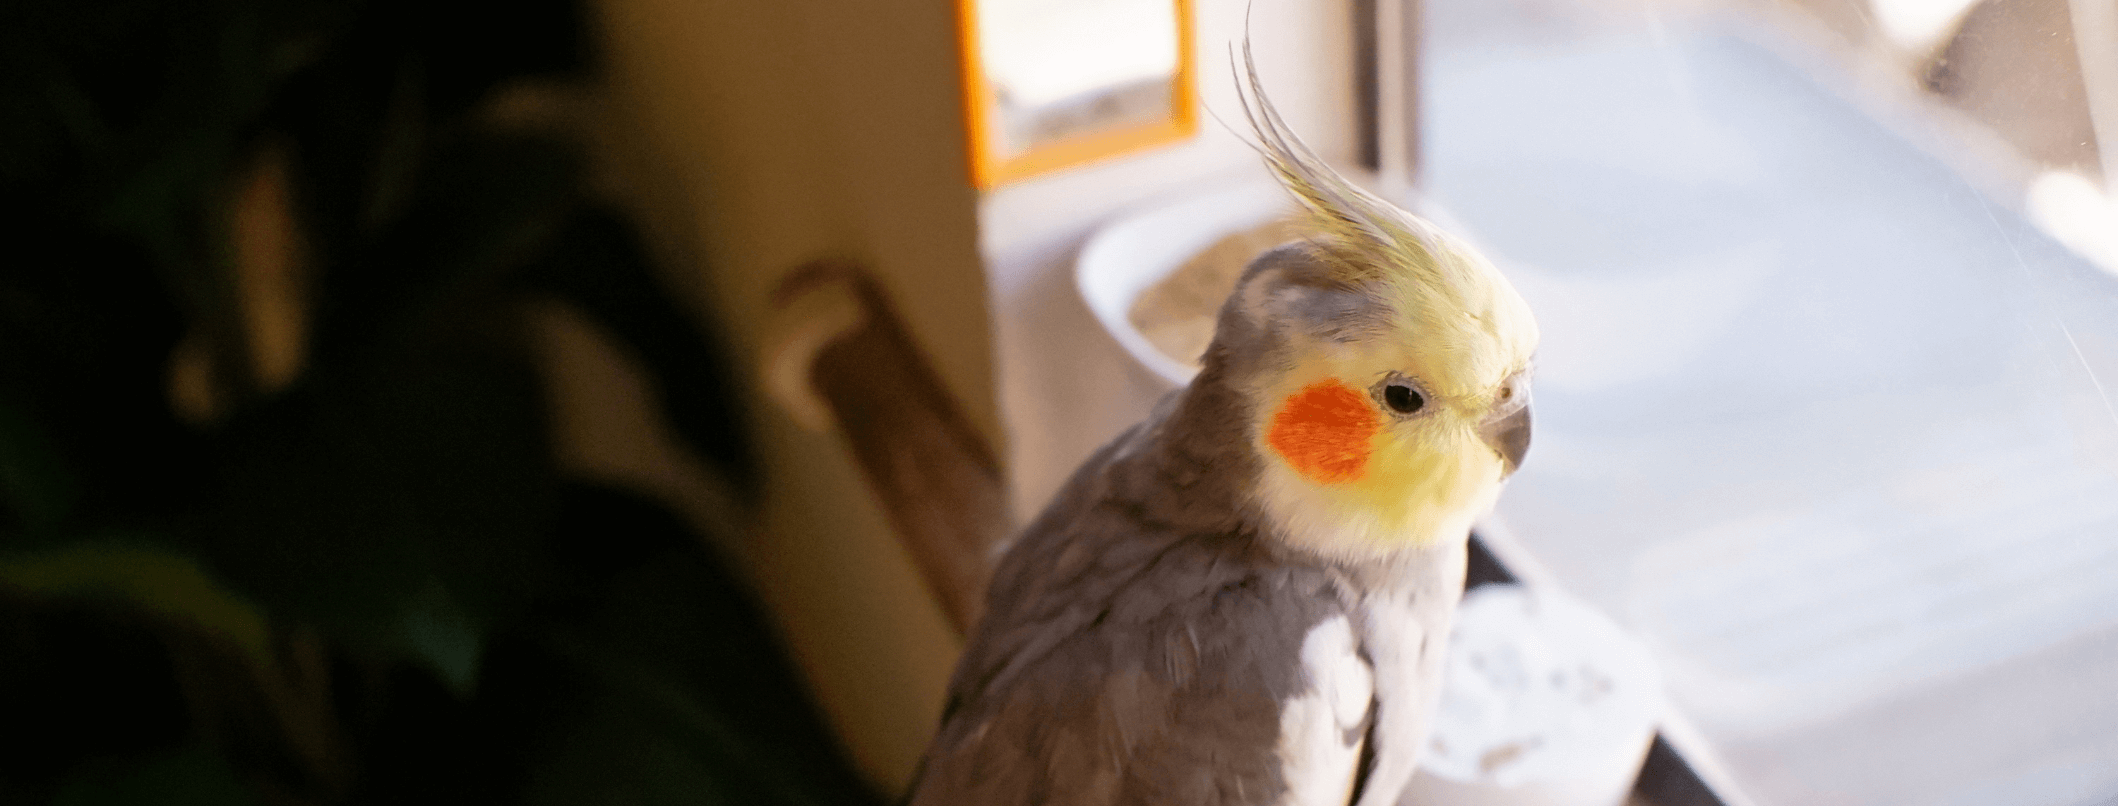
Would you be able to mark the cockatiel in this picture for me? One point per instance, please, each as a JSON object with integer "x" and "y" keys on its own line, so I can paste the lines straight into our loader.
{"x": 1245, "y": 599}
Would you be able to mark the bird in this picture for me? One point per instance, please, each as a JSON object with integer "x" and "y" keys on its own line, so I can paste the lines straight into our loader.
{"x": 1245, "y": 598}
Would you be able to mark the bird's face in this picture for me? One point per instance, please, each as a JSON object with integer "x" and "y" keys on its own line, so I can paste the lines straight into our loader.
{"x": 1391, "y": 420}
{"x": 1384, "y": 363}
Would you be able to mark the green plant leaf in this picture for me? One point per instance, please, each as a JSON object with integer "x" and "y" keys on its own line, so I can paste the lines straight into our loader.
{"x": 156, "y": 580}
{"x": 442, "y": 637}
{"x": 187, "y": 777}
{"x": 599, "y": 264}
{"x": 35, "y": 483}
{"x": 687, "y": 696}
{"x": 397, "y": 504}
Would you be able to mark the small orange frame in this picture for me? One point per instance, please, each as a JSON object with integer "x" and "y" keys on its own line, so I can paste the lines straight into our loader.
{"x": 990, "y": 170}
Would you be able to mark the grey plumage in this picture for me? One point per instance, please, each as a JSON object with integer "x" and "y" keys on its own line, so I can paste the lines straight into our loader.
{"x": 1244, "y": 600}
{"x": 1143, "y": 634}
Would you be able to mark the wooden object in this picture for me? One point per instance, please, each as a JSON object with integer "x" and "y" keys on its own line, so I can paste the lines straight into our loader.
{"x": 846, "y": 359}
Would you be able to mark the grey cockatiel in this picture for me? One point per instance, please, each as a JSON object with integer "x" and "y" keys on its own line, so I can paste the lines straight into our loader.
{"x": 1245, "y": 598}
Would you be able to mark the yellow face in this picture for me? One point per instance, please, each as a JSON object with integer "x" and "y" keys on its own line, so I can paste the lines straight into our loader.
{"x": 1397, "y": 441}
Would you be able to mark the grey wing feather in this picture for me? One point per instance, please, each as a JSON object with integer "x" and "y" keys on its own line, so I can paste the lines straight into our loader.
{"x": 1127, "y": 661}
{"x": 1141, "y": 645}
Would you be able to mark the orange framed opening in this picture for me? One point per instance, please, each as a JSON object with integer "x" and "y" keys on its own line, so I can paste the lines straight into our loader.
{"x": 990, "y": 169}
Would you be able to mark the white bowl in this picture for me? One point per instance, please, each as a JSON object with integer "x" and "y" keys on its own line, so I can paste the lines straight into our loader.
{"x": 1129, "y": 255}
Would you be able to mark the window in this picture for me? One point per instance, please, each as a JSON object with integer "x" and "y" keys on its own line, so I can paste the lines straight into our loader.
{"x": 1826, "y": 393}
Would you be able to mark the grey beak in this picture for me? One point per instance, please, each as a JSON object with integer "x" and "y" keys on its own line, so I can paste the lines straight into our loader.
{"x": 1509, "y": 436}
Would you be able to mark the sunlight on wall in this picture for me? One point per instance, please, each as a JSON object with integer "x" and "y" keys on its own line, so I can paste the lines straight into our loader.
{"x": 1919, "y": 25}
{"x": 2078, "y": 213}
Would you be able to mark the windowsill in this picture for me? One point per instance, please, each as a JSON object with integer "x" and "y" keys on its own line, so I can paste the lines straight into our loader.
{"x": 1818, "y": 420}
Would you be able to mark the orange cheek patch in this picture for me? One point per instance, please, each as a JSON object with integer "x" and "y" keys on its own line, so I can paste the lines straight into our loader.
{"x": 1323, "y": 431}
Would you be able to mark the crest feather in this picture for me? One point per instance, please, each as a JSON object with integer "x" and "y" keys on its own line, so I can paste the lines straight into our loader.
{"x": 1357, "y": 233}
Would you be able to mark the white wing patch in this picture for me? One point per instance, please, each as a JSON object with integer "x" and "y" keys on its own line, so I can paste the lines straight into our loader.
{"x": 1320, "y": 735}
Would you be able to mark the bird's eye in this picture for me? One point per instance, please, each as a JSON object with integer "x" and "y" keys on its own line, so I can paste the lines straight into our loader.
{"x": 1402, "y": 399}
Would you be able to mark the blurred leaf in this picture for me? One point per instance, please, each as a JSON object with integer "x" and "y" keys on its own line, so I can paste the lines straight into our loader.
{"x": 689, "y": 697}
{"x": 599, "y": 265}
{"x": 488, "y": 634}
{"x": 188, "y": 777}
{"x": 644, "y": 674}
{"x": 400, "y": 150}
{"x": 444, "y": 639}
{"x": 397, "y": 501}
{"x": 85, "y": 334}
{"x": 80, "y": 678}
{"x": 155, "y": 580}
{"x": 484, "y": 207}
{"x": 634, "y": 751}
{"x": 36, "y": 486}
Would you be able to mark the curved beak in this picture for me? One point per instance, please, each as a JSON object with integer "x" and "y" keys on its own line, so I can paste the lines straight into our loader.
{"x": 1509, "y": 436}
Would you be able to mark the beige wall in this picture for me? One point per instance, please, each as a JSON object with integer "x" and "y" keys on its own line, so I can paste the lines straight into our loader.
{"x": 757, "y": 134}
{"x": 763, "y": 134}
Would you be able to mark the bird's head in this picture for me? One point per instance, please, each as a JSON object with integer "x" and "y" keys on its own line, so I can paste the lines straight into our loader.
{"x": 1384, "y": 365}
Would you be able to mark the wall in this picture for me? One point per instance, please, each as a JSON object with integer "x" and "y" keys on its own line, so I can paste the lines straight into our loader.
{"x": 760, "y": 135}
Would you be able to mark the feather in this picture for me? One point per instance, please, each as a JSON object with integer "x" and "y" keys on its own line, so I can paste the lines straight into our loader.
{"x": 1362, "y": 235}
{"x": 1431, "y": 282}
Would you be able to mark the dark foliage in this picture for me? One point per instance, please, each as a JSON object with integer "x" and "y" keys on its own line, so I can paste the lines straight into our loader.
{"x": 369, "y": 583}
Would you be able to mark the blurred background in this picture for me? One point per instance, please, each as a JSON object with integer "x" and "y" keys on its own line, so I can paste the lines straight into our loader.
{"x": 614, "y": 401}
